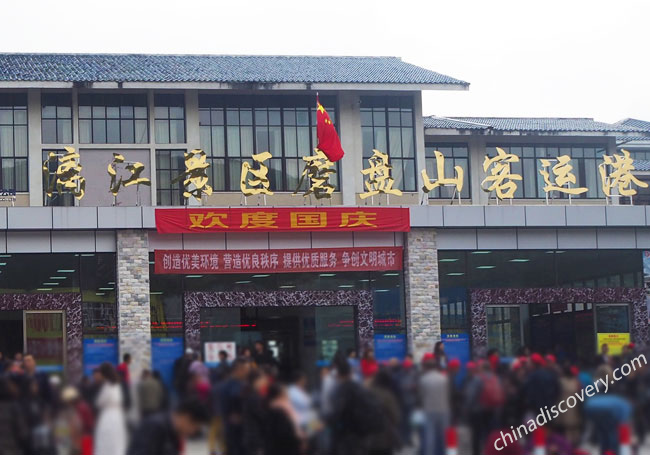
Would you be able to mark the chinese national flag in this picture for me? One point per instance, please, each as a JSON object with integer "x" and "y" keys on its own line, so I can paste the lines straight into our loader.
{"x": 328, "y": 139}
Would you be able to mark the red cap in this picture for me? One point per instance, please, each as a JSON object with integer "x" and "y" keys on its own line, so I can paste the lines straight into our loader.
{"x": 538, "y": 359}
{"x": 454, "y": 365}
{"x": 631, "y": 345}
{"x": 494, "y": 361}
{"x": 470, "y": 365}
{"x": 550, "y": 358}
{"x": 428, "y": 357}
{"x": 407, "y": 363}
{"x": 574, "y": 370}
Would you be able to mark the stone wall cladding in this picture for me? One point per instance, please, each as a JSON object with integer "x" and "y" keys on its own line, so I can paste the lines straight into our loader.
{"x": 134, "y": 317}
{"x": 422, "y": 290}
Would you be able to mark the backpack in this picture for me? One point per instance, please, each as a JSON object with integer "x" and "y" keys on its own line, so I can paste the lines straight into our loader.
{"x": 492, "y": 394}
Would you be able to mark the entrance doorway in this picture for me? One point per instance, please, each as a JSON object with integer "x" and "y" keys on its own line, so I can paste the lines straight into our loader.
{"x": 11, "y": 333}
{"x": 40, "y": 333}
{"x": 298, "y": 338}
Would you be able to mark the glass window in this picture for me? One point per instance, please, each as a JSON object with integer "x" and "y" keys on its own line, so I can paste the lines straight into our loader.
{"x": 233, "y": 128}
{"x": 455, "y": 155}
{"x": 504, "y": 329}
{"x": 56, "y": 118}
{"x": 66, "y": 198}
{"x": 169, "y": 115}
{"x": 584, "y": 160}
{"x": 169, "y": 165}
{"x": 387, "y": 126}
{"x": 13, "y": 142}
{"x": 113, "y": 119}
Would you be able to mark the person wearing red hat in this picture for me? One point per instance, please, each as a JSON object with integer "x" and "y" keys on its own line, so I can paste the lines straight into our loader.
{"x": 571, "y": 420}
{"x": 434, "y": 389}
{"x": 542, "y": 387}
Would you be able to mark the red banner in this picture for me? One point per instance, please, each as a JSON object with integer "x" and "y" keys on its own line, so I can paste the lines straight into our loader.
{"x": 268, "y": 219}
{"x": 279, "y": 261}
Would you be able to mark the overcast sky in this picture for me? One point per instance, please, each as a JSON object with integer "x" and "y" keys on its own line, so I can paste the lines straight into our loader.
{"x": 522, "y": 57}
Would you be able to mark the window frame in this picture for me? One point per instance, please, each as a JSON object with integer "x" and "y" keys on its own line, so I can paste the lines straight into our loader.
{"x": 112, "y": 100}
{"x": 15, "y": 102}
{"x": 579, "y": 164}
{"x": 57, "y": 97}
{"x": 388, "y": 104}
{"x": 166, "y": 101}
{"x": 429, "y": 148}
{"x": 220, "y": 106}
{"x": 173, "y": 173}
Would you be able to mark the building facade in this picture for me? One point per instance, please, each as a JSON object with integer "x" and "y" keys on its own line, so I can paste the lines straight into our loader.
{"x": 143, "y": 214}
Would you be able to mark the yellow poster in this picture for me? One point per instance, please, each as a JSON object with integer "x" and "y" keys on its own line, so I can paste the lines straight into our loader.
{"x": 615, "y": 341}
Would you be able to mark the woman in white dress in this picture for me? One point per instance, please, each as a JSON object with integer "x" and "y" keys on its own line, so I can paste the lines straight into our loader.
{"x": 110, "y": 432}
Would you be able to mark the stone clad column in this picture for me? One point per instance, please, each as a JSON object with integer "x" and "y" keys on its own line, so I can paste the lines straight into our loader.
{"x": 422, "y": 291}
{"x": 134, "y": 317}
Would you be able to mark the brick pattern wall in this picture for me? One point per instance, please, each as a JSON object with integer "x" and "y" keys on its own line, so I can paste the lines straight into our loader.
{"x": 134, "y": 318}
{"x": 422, "y": 290}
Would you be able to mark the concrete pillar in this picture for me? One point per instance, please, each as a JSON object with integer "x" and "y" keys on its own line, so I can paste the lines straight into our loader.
{"x": 349, "y": 123}
{"x": 35, "y": 161}
{"x": 134, "y": 319}
{"x": 422, "y": 291}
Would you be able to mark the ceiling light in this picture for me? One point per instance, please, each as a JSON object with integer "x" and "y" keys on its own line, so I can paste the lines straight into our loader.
{"x": 65, "y": 271}
{"x": 50, "y": 284}
{"x": 346, "y": 285}
{"x": 382, "y": 290}
{"x": 456, "y": 274}
{"x": 100, "y": 293}
{"x": 106, "y": 289}
{"x": 43, "y": 289}
{"x": 481, "y": 252}
{"x": 364, "y": 281}
{"x": 156, "y": 293}
{"x": 287, "y": 286}
{"x": 448, "y": 260}
{"x": 5, "y": 255}
{"x": 486, "y": 266}
{"x": 3, "y": 263}
{"x": 58, "y": 277}
{"x": 327, "y": 274}
{"x": 391, "y": 274}
{"x": 264, "y": 275}
{"x": 152, "y": 262}
{"x": 519, "y": 260}
{"x": 243, "y": 282}
{"x": 193, "y": 276}
{"x": 87, "y": 255}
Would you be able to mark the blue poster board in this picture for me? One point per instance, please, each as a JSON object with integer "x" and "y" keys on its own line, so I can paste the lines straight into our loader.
{"x": 390, "y": 346}
{"x": 97, "y": 351}
{"x": 164, "y": 352}
{"x": 457, "y": 347}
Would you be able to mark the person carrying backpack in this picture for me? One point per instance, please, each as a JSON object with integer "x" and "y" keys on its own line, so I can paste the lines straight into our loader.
{"x": 355, "y": 415}
{"x": 434, "y": 393}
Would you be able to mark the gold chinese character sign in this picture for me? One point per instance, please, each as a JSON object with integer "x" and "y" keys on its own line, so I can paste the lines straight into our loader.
{"x": 318, "y": 169}
{"x": 195, "y": 177}
{"x": 561, "y": 176}
{"x": 135, "y": 168}
{"x": 441, "y": 180}
{"x": 616, "y": 172}
{"x": 379, "y": 179}
{"x": 67, "y": 177}
{"x": 500, "y": 179}
{"x": 259, "y": 182}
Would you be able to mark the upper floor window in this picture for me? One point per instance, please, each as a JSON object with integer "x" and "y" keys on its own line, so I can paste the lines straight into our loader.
{"x": 56, "y": 118}
{"x": 169, "y": 165}
{"x": 585, "y": 161}
{"x": 235, "y": 127}
{"x": 455, "y": 155}
{"x": 169, "y": 115}
{"x": 13, "y": 141}
{"x": 113, "y": 119}
{"x": 387, "y": 124}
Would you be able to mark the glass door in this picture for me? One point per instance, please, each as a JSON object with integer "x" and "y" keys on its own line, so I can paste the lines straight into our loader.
{"x": 44, "y": 333}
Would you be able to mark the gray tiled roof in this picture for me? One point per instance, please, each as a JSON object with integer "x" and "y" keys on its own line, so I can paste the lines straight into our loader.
{"x": 449, "y": 123}
{"x": 214, "y": 68}
{"x": 642, "y": 165}
{"x": 546, "y": 124}
{"x": 635, "y": 123}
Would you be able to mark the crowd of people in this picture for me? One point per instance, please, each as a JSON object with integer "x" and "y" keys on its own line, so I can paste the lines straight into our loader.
{"x": 359, "y": 406}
